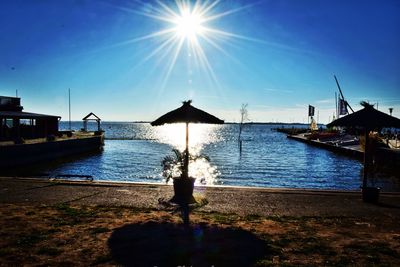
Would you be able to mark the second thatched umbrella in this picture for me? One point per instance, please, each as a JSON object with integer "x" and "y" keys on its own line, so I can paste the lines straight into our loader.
{"x": 187, "y": 114}
{"x": 367, "y": 119}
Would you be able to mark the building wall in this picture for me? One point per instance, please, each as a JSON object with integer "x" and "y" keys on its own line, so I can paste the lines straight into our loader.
{"x": 10, "y": 103}
{"x": 45, "y": 127}
{"x": 42, "y": 127}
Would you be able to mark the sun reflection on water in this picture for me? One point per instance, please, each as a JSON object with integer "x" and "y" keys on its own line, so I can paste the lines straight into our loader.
{"x": 204, "y": 171}
{"x": 199, "y": 135}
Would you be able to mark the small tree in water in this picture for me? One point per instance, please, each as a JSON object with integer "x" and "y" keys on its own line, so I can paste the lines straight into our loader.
{"x": 244, "y": 117}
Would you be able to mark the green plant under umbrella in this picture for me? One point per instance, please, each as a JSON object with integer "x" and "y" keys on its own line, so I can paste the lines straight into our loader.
{"x": 187, "y": 114}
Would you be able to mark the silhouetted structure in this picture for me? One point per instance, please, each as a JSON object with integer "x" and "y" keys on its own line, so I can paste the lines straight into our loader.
{"x": 187, "y": 114}
{"x": 91, "y": 117}
{"x": 14, "y": 123}
{"x": 183, "y": 186}
{"x": 368, "y": 119}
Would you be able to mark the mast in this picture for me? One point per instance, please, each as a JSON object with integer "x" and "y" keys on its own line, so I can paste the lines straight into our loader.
{"x": 340, "y": 90}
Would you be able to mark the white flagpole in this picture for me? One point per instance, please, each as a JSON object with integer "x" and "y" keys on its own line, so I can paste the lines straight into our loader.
{"x": 69, "y": 107}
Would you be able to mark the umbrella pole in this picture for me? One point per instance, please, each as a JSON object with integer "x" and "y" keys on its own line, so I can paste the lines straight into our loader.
{"x": 187, "y": 152}
{"x": 366, "y": 158}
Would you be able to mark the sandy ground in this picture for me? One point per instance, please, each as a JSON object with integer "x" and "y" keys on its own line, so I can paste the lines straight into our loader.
{"x": 46, "y": 223}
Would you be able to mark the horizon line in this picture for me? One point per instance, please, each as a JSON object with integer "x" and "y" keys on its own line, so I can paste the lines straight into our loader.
{"x": 228, "y": 122}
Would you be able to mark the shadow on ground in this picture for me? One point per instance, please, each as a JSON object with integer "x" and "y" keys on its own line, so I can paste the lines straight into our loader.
{"x": 167, "y": 244}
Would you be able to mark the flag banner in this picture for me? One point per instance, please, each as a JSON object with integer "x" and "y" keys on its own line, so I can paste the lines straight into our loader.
{"x": 311, "y": 110}
{"x": 343, "y": 107}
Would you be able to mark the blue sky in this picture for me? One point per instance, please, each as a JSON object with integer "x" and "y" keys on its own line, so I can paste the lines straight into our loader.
{"x": 278, "y": 57}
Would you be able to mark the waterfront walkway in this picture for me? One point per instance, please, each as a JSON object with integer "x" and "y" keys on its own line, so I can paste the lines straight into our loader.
{"x": 242, "y": 201}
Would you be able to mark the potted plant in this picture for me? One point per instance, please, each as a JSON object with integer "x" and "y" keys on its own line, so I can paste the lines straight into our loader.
{"x": 173, "y": 168}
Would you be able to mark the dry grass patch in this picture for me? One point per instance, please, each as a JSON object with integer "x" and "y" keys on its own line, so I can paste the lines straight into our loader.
{"x": 65, "y": 235}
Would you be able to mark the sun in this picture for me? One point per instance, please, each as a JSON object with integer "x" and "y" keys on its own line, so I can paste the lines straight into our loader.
{"x": 189, "y": 24}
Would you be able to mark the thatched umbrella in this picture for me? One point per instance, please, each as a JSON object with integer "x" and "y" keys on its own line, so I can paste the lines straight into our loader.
{"x": 187, "y": 114}
{"x": 367, "y": 119}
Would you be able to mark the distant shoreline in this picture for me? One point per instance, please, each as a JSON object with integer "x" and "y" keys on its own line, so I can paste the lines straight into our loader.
{"x": 256, "y": 123}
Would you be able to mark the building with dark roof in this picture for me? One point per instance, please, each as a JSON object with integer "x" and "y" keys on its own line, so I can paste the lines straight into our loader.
{"x": 16, "y": 124}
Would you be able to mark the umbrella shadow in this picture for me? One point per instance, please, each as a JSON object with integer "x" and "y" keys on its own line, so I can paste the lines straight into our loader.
{"x": 168, "y": 244}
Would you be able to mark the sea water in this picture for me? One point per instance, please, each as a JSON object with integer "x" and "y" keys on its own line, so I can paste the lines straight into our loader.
{"x": 133, "y": 153}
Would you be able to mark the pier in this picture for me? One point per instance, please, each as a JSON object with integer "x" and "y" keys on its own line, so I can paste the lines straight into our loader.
{"x": 44, "y": 149}
{"x": 382, "y": 156}
{"x": 354, "y": 151}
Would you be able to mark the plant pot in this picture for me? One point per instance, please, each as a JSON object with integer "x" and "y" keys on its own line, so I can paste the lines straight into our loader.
{"x": 183, "y": 189}
{"x": 370, "y": 194}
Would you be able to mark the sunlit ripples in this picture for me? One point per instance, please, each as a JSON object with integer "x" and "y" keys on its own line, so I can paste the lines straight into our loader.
{"x": 268, "y": 159}
{"x": 199, "y": 136}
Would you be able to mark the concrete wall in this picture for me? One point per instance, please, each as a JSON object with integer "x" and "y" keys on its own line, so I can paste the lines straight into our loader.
{"x": 19, "y": 155}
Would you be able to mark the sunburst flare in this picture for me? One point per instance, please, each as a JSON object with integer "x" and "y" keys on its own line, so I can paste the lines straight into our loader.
{"x": 186, "y": 23}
